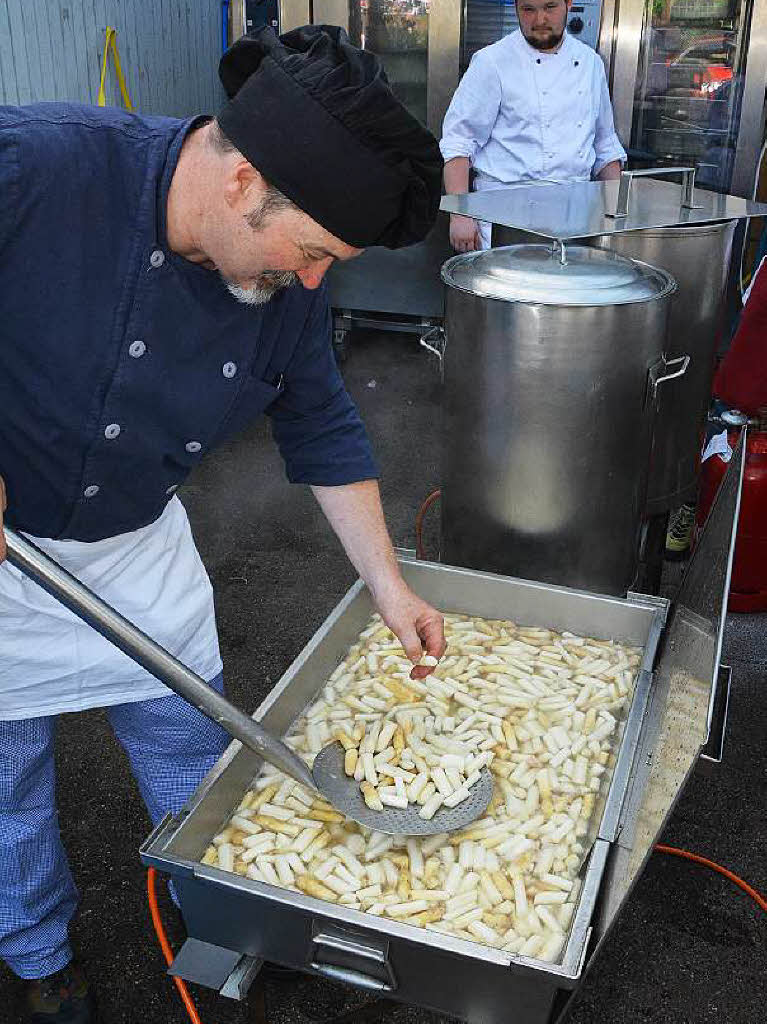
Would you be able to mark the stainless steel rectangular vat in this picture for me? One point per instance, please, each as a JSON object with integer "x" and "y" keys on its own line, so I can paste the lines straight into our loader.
{"x": 228, "y": 914}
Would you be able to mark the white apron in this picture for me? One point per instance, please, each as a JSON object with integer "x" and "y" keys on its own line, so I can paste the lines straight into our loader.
{"x": 51, "y": 661}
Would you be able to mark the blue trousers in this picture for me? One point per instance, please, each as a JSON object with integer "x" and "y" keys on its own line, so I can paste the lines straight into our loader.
{"x": 171, "y": 746}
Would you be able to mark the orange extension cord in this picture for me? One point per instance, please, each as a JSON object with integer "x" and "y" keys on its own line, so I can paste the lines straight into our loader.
{"x": 167, "y": 952}
{"x": 419, "y": 552}
{"x": 755, "y": 896}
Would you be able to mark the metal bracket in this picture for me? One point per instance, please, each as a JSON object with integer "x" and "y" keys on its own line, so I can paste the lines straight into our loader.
{"x": 713, "y": 751}
{"x": 237, "y": 985}
{"x": 227, "y": 971}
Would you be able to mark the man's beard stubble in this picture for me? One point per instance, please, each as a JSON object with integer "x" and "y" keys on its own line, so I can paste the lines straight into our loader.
{"x": 549, "y": 42}
{"x": 270, "y": 282}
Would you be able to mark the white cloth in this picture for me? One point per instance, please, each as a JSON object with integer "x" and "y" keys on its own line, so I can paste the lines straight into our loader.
{"x": 51, "y": 661}
{"x": 522, "y": 115}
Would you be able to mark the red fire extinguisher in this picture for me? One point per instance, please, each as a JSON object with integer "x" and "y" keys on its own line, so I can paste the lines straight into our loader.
{"x": 748, "y": 587}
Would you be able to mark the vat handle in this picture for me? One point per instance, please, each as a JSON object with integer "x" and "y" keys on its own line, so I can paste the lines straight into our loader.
{"x": 627, "y": 178}
{"x": 345, "y": 957}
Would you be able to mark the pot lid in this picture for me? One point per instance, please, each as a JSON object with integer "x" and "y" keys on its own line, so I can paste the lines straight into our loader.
{"x": 537, "y": 273}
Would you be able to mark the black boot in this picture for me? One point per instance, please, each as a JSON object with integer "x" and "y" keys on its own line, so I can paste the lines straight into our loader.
{"x": 62, "y": 998}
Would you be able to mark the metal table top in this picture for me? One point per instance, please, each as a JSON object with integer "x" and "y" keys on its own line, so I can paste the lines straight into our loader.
{"x": 583, "y": 209}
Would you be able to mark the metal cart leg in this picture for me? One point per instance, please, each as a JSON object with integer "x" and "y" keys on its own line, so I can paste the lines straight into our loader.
{"x": 654, "y": 547}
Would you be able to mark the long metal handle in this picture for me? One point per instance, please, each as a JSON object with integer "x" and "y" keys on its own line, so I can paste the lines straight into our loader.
{"x": 35, "y": 564}
{"x": 627, "y": 177}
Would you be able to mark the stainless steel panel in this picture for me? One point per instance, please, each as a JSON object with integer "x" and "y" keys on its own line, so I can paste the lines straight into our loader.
{"x": 419, "y": 47}
{"x": 331, "y": 12}
{"x": 751, "y": 133}
{"x": 678, "y": 720}
{"x": 698, "y": 258}
{"x": 443, "y": 60}
{"x": 400, "y": 281}
{"x": 438, "y": 971}
{"x": 607, "y": 36}
{"x": 238, "y": 19}
{"x": 582, "y": 209}
{"x": 294, "y": 14}
{"x": 546, "y": 436}
{"x": 628, "y": 34}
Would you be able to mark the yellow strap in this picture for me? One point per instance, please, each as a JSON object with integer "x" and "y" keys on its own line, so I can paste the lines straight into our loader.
{"x": 111, "y": 40}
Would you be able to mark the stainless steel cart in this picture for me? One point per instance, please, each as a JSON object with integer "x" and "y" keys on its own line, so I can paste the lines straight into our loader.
{"x": 235, "y": 923}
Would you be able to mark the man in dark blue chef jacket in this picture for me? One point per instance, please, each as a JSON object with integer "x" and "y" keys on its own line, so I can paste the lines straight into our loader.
{"x": 162, "y": 284}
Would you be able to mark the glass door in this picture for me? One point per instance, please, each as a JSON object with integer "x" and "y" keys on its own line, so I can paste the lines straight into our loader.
{"x": 689, "y": 87}
{"x": 397, "y": 31}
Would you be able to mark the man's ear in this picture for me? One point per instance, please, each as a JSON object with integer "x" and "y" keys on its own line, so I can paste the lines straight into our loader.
{"x": 243, "y": 185}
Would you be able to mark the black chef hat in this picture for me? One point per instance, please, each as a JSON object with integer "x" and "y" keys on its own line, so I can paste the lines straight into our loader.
{"x": 317, "y": 118}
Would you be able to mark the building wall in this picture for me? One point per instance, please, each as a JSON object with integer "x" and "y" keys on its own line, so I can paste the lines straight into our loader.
{"x": 169, "y": 51}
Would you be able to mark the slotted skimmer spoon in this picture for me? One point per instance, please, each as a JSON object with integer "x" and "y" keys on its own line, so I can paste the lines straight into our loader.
{"x": 327, "y": 776}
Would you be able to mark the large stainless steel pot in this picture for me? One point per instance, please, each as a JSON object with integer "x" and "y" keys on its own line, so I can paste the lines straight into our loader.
{"x": 698, "y": 258}
{"x": 551, "y": 366}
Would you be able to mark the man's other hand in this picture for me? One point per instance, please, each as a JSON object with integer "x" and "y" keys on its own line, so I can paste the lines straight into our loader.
{"x": 464, "y": 233}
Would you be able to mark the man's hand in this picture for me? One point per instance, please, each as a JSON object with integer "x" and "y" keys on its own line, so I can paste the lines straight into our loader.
{"x": 354, "y": 511}
{"x": 3, "y": 506}
{"x": 610, "y": 172}
{"x": 464, "y": 233}
{"x": 419, "y": 627}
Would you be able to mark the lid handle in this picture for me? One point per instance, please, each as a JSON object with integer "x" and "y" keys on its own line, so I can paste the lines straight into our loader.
{"x": 627, "y": 177}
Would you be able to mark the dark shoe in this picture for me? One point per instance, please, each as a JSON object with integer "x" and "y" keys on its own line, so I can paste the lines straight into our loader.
{"x": 679, "y": 533}
{"x": 62, "y": 998}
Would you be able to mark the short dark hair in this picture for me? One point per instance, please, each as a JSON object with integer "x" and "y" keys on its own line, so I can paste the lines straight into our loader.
{"x": 273, "y": 200}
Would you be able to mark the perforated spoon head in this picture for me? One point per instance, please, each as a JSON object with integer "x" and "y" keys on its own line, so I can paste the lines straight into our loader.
{"x": 344, "y": 794}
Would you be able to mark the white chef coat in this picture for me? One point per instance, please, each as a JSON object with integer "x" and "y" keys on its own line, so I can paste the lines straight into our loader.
{"x": 522, "y": 115}
{"x": 51, "y": 661}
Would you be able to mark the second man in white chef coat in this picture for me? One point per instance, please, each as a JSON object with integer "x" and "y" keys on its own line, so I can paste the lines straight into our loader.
{"x": 532, "y": 107}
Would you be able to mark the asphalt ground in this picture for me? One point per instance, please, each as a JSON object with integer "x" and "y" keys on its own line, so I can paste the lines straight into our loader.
{"x": 689, "y": 947}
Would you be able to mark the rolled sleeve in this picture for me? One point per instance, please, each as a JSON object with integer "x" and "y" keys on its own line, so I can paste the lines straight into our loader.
{"x": 607, "y": 145}
{"x": 314, "y": 421}
{"x": 473, "y": 110}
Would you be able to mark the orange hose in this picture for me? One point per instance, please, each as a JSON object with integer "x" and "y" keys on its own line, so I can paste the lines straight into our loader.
{"x": 167, "y": 952}
{"x": 674, "y": 851}
{"x": 426, "y": 504}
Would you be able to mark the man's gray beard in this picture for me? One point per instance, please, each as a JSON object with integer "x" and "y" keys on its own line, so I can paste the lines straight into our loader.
{"x": 271, "y": 281}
